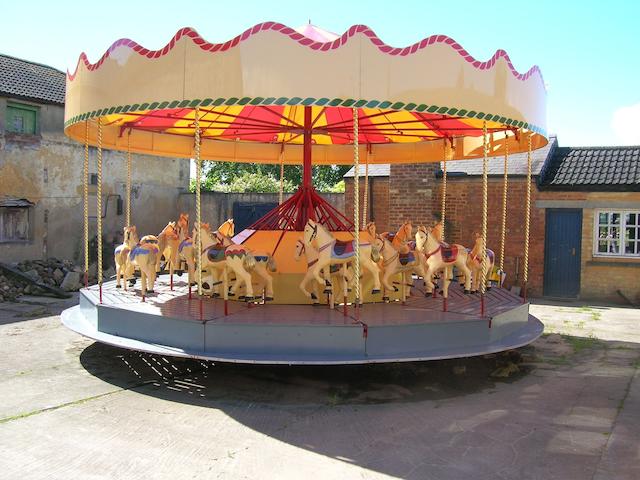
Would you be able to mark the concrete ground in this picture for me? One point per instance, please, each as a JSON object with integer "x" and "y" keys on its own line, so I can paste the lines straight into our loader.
{"x": 70, "y": 408}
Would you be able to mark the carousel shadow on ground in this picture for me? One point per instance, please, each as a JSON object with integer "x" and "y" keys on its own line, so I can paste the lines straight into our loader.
{"x": 206, "y": 383}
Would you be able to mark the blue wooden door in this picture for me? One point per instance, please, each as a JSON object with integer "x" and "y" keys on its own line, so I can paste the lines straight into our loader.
{"x": 245, "y": 213}
{"x": 563, "y": 242}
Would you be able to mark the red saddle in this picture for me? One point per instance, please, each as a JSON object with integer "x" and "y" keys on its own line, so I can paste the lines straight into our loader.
{"x": 343, "y": 247}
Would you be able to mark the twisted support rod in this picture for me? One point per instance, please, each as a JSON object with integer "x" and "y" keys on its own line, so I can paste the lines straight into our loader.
{"x": 128, "y": 195}
{"x": 85, "y": 203}
{"x": 505, "y": 182}
{"x": 356, "y": 209}
{"x": 485, "y": 184}
{"x": 527, "y": 221}
{"x": 198, "y": 161}
{"x": 99, "y": 209}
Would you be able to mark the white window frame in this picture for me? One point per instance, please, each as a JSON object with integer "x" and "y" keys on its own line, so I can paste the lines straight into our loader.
{"x": 622, "y": 228}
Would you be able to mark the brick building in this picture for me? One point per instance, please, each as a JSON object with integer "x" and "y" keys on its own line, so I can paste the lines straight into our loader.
{"x": 585, "y": 216}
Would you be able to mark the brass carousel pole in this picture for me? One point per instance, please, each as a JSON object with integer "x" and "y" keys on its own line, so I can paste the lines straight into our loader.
{"x": 527, "y": 222}
{"x": 85, "y": 203}
{"x": 356, "y": 212}
{"x": 99, "y": 209}
{"x": 485, "y": 184}
{"x": 198, "y": 206}
{"x": 504, "y": 207}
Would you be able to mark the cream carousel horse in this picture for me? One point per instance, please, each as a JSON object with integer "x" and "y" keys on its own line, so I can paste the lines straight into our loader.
{"x": 311, "y": 255}
{"x": 475, "y": 262}
{"x": 332, "y": 251}
{"x": 168, "y": 243}
{"x": 394, "y": 262}
{"x": 143, "y": 254}
{"x": 186, "y": 252}
{"x": 213, "y": 261}
{"x": 439, "y": 256}
{"x": 124, "y": 270}
{"x": 263, "y": 264}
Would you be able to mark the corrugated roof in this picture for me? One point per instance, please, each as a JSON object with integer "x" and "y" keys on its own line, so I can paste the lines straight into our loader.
{"x": 29, "y": 80}
{"x": 593, "y": 168}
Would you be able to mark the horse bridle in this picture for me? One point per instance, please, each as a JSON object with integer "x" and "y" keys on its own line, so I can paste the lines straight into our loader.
{"x": 315, "y": 231}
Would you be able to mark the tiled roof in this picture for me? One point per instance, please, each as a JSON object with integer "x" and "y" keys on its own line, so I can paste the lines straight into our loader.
{"x": 33, "y": 81}
{"x": 517, "y": 164}
{"x": 593, "y": 168}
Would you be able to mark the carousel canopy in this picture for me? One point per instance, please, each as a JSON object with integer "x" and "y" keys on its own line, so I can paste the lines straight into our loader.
{"x": 251, "y": 92}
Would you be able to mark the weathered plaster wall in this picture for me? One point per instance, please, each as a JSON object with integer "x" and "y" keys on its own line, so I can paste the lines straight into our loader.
{"x": 47, "y": 170}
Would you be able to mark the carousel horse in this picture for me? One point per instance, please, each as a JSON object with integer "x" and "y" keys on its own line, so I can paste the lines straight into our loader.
{"x": 394, "y": 262}
{"x": 124, "y": 270}
{"x": 185, "y": 247}
{"x": 311, "y": 255}
{"x": 218, "y": 257}
{"x": 143, "y": 254}
{"x": 440, "y": 256}
{"x": 263, "y": 264}
{"x": 168, "y": 243}
{"x": 475, "y": 262}
{"x": 400, "y": 240}
{"x": 332, "y": 251}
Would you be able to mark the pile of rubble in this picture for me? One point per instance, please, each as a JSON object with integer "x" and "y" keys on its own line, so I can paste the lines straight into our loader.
{"x": 53, "y": 272}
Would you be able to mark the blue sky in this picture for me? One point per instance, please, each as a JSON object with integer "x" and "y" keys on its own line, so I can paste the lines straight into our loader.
{"x": 589, "y": 51}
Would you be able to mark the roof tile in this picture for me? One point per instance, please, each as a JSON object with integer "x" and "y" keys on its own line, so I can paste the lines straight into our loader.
{"x": 24, "y": 79}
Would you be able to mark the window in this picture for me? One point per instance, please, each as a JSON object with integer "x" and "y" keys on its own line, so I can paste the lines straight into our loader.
{"x": 14, "y": 224}
{"x": 21, "y": 118}
{"x": 617, "y": 233}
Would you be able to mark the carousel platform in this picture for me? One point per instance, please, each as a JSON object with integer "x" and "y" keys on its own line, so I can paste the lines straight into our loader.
{"x": 168, "y": 323}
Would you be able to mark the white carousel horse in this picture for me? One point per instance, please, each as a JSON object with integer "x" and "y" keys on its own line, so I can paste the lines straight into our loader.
{"x": 395, "y": 262}
{"x": 168, "y": 243}
{"x": 124, "y": 269}
{"x": 213, "y": 259}
{"x": 475, "y": 262}
{"x": 263, "y": 264}
{"x": 311, "y": 255}
{"x": 143, "y": 254}
{"x": 439, "y": 256}
{"x": 332, "y": 251}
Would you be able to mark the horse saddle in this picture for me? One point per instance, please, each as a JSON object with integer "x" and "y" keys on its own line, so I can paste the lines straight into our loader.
{"x": 406, "y": 258}
{"x": 140, "y": 250}
{"x": 215, "y": 253}
{"x": 343, "y": 249}
{"x": 187, "y": 242}
{"x": 449, "y": 252}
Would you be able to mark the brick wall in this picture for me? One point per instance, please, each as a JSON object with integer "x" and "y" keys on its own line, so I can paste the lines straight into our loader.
{"x": 378, "y": 210}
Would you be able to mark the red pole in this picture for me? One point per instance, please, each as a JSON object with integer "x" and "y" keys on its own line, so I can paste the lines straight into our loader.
{"x": 444, "y": 304}
{"x": 226, "y": 308}
{"x": 344, "y": 307}
{"x": 86, "y": 279}
{"x": 524, "y": 293}
{"x": 306, "y": 150}
{"x": 100, "y": 292}
{"x": 482, "y": 304}
{"x": 200, "y": 307}
{"x": 171, "y": 282}
{"x": 189, "y": 282}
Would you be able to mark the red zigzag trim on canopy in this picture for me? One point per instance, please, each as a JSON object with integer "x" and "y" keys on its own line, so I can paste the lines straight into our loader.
{"x": 301, "y": 39}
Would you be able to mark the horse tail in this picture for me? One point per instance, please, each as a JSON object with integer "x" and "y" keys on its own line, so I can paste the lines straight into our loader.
{"x": 375, "y": 253}
{"x": 249, "y": 262}
{"x": 271, "y": 264}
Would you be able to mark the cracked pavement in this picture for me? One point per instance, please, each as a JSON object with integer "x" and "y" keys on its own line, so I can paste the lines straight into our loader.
{"x": 75, "y": 409}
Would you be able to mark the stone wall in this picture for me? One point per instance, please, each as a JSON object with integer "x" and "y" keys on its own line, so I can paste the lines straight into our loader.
{"x": 47, "y": 170}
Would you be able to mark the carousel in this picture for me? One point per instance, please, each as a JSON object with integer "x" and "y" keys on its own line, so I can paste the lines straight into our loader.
{"x": 305, "y": 284}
